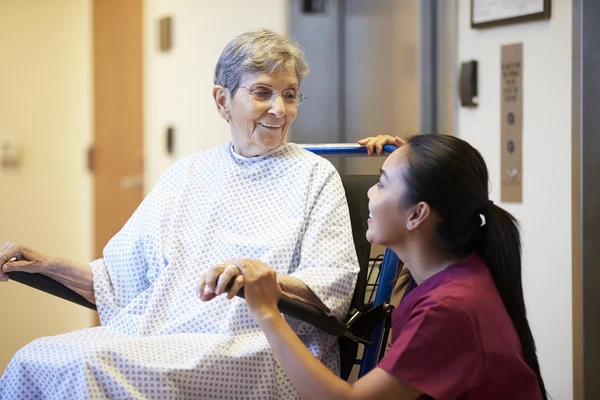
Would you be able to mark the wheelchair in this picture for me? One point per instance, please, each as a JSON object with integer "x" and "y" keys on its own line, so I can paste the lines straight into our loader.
{"x": 368, "y": 322}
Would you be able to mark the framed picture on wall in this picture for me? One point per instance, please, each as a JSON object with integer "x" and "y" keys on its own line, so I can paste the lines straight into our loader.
{"x": 487, "y": 13}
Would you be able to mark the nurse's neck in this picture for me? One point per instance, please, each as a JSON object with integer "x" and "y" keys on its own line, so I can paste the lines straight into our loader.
{"x": 423, "y": 262}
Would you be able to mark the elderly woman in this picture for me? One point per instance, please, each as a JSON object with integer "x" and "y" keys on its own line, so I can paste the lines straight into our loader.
{"x": 256, "y": 198}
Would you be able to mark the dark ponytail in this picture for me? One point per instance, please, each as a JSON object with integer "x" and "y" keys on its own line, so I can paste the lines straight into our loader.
{"x": 452, "y": 177}
{"x": 500, "y": 247}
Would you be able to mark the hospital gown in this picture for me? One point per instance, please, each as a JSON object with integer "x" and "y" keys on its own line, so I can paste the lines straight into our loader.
{"x": 158, "y": 339}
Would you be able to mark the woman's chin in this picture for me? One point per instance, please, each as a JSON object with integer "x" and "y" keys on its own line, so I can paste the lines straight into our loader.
{"x": 369, "y": 236}
{"x": 272, "y": 134}
{"x": 271, "y": 141}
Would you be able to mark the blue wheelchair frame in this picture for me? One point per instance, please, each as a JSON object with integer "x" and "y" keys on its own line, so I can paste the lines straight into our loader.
{"x": 389, "y": 265}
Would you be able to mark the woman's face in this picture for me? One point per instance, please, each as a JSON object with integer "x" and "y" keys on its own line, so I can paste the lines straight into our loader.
{"x": 259, "y": 124}
{"x": 388, "y": 216}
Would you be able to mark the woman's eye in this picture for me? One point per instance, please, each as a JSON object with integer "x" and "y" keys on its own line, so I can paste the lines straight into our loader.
{"x": 262, "y": 94}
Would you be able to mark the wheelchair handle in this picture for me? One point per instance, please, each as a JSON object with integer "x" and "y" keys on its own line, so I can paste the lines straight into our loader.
{"x": 344, "y": 149}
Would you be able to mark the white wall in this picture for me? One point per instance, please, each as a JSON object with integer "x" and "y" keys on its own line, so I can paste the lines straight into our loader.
{"x": 178, "y": 84}
{"x": 545, "y": 213}
{"x": 46, "y": 203}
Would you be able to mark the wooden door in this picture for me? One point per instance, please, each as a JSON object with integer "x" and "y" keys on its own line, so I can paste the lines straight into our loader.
{"x": 117, "y": 155}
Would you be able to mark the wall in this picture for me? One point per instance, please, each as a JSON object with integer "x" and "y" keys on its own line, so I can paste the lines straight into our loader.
{"x": 178, "y": 84}
{"x": 45, "y": 103}
{"x": 545, "y": 213}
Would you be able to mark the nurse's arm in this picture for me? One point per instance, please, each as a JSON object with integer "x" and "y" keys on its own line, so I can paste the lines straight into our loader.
{"x": 313, "y": 380}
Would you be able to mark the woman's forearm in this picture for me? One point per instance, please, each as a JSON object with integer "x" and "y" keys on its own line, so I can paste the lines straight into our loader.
{"x": 296, "y": 289}
{"x": 310, "y": 377}
{"x": 75, "y": 276}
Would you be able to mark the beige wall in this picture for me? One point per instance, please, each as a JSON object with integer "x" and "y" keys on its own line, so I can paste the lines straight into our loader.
{"x": 45, "y": 103}
{"x": 545, "y": 213}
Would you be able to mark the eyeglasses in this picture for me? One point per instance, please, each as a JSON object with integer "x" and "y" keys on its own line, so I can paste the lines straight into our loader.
{"x": 266, "y": 94}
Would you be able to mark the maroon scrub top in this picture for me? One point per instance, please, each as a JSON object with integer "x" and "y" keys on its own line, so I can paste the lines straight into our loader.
{"x": 453, "y": 339}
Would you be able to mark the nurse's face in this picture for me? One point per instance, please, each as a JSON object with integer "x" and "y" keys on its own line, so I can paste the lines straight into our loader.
{"x": 258, "y": 121}
{"x": 388, "y": 216}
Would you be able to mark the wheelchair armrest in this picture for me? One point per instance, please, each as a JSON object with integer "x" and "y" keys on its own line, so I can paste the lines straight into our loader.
{"x": 310, "y": 314}
{"x": 358, "y": 328}
{"x": 293, "y": 308}
{"x": 49, "y": 285}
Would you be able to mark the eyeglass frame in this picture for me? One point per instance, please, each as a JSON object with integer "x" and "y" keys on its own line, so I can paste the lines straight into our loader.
{"x": 299, "y": 95}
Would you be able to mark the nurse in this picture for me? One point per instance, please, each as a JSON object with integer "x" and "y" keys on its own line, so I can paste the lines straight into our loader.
{"x": 462, "y": 333}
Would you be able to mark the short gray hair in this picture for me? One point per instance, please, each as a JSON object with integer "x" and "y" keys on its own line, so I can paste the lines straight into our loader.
{"x": 256, "y": 51}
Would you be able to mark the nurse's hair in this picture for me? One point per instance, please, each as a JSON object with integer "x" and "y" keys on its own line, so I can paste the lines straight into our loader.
{"x": 452, "y": 177}
{"x": 258, "y": 51}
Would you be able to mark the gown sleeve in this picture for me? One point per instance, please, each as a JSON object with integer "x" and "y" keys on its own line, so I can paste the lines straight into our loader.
{"x": 134, "y": 257}
{"x": 327, "y": 258}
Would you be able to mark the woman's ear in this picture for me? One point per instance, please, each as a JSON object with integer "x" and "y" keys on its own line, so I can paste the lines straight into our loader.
{"x": 221, "y": 96}
{"x": 418, "y": 215}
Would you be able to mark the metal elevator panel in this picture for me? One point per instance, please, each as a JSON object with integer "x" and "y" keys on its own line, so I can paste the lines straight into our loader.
{"x": 366, "y": 60}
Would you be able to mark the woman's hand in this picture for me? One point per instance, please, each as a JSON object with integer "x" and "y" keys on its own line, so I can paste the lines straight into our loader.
{"x": 15, "y": 257}
{"x": 376, "y": 143}
{"x": 215, "y": 281}
{"x": 261, "y": 290}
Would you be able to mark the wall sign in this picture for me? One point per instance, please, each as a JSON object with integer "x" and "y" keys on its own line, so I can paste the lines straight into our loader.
{"x": 486, "y": 13}
{"x": 511, "y": 123}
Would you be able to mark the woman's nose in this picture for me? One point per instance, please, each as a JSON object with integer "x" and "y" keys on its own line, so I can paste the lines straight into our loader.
{"x": 370, "y": 191}
{"x": 278, "y": 106}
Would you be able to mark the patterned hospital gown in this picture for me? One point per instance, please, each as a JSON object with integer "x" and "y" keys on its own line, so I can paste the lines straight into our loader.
{"x": 157, "y": 339}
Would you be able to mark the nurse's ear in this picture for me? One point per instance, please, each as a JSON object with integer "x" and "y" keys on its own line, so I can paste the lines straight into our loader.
{"x": 418, "y": 216}
{"x": 221, "y": 96}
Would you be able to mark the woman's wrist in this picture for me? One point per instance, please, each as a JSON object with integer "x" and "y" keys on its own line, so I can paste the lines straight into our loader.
{"x": 67, "y": 272}
{"x": 295, "y": 289}
{"x": 55, "y": 266}
{"x": 268, "y": 317}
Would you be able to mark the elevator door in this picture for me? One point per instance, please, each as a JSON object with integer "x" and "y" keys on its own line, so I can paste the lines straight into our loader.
{"x": 364, "y": 79}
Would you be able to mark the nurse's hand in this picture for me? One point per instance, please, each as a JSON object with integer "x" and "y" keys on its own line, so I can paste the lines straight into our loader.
{"x": 217, "y": 278}
{"x": 376, "y": 143}
{"x": 15, "y": 257}
{"x": 261, "y": 289}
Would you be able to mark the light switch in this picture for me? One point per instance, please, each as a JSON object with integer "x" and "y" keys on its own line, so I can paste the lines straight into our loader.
{"x": 9, "y": 151}
{"x": 165, "y": 36}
